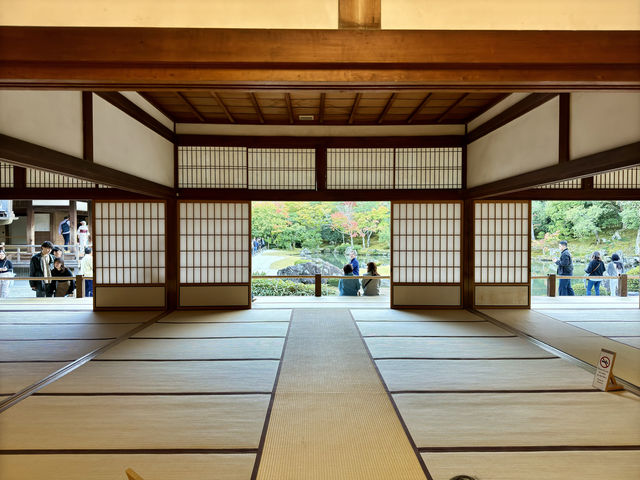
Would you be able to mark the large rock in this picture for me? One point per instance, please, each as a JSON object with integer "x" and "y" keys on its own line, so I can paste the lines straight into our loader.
{"x": 310, "y": 268}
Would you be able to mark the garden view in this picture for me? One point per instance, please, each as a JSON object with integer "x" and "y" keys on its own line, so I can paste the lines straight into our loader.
{"x": 306, "y": 238}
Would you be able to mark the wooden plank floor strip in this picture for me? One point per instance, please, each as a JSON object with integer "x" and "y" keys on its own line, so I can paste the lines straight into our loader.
{"x": 583, "y": 465}
{"x": 515, "y": 419}
{"x": 134, "y": 422}
{"x": 331, "y": 416}
{"x": 458, "y": 347}
{"x": 503, "y": 375}
{"x": 111, "y": 466}
{"x": 432, "y": 329}
{"x": 386, "y": 314}
{"x": 213, "y": 330}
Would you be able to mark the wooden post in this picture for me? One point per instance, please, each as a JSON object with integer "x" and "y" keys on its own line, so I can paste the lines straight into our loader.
{"x": 623, "y": 285}
{"x": 318, "y": 285}
{"x": 73, "y": 226}
{"x": 551, "y": 285}
{"x": 79, "y": 286}
{"x": 31, "y": 226}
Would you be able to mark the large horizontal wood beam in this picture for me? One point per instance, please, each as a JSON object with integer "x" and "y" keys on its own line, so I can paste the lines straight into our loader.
{"x": 25, "y": 154}
{"x": 316, "y": 142}
{"x": 174, "y": 58}
{"x": 614, "y": 159}
{"x": 70, "y": 194}
{"x": 573, "y": 194}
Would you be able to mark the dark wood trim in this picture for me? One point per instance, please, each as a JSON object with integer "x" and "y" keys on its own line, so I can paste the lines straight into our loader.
{"x": 510, "y": 114}
{"x": 462, "y": 98}
{"x": 530, "y": 448}
{"x": 133, "y": 451}
{"x": 256, "y": 106}
{"x": 354, "y": 107}
{"x": 564, "y": 128}
{"x": 224, "y": 107}
{"x": 18, "y": 193}
{"x": 87, "y": 126}
{"x": 487, "y": 107}
{"x": 157, "y": 106}
{"x": 287, "y": 100}
{"x": 312, "y": 142}
{"x": 323, "y": 97}
{"x": 25, "y": 154}
{"x": 419, "y": 108}
{"x": 614, "y": 159}
{"x": 172, "y": 254}
{"x": 468, "y": 252}
{"x": 127, "y": 106}
{"x": 315, "y": 195}
{"x": 321, "y": 169}
{"x": 388, "y": 105}
{"x": 588, "y": 193}
{"x": 19, "y": 181}
{"x": 190, "y": 106}
{"x": 587, "y": 183}
{"x": 145, "y": 58}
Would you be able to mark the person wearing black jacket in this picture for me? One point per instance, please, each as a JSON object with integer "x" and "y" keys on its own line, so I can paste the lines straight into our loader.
{"x": 40, "y": 266}
{"x": 62, "y": 288}
{"x": 595, "y": 268}
{"x": 565, "y": 267}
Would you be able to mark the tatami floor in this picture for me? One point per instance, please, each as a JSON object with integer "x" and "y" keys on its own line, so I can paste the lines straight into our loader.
{"x": 319, "y": 391}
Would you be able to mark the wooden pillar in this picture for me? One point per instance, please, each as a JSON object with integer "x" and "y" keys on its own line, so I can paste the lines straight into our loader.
{"x": 359, "y": 14}
{"x": 73, "y": 223}
{"x": 623, "y": 285}
{"x": 551, "y": 285}
{"x": 318, "y": 285}
{"x": 31, "y": 226}
{"x": 172, "y": 254}
{"x": 467, "y": 254}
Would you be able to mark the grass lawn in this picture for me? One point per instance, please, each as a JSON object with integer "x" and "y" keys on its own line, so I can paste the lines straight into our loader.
{"x": 284, "y": 262}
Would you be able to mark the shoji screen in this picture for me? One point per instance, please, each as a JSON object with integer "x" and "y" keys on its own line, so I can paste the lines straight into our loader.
{"x": 215, "y": 260}
{"x": 625, "y": 178}
{"x": 6, "y": 175}
{"x": 130, "y": 254}
{"x": 426, "y": 250}
{"x": 352, "y": 168}
{"x": 501, "y": 253}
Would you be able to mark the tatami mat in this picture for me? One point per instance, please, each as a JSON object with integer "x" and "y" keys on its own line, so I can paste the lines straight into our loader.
{"x": 436, "y": 329}
{"x": 66, "y": 331}
{"x": 204, "y": 330}
{"x": 575, "y": 341}
{"x": 50, "y": 317}
{"x": 585, "y": 465}
{"x": 386, "y": 314}
{"x": 264, "y": 315}
{"x": 599, "y": 315}
{"x": 134, "y": 422}
{"x": 168, "y": 377}
{"x": 430, "y": 375}
{"x": 47, "y": 350}
{"x": 453, "y": 347}
{"x": 515, "y": 419}
{"x": 610, "y": 329}
{"x": 196, "y": 349}
{"x": 16, "y": 376}
{"x": 632, "y": 341}
{"x": 331, "y": 416}
{"x": 112, "y": 467}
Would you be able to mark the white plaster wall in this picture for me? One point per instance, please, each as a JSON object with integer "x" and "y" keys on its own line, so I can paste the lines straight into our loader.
{"x": 511, "y": 14}
{"x": 496, "y": 109}
{"x": 123, "y": 143}
{"x": 172, "y": 13}
{"x": 528, "y": 143}
{"x": 50, "y": 119}
{"x": 601, "y": 121}
{"x": 319, "y": 130}
{"x": 136, "y": 98}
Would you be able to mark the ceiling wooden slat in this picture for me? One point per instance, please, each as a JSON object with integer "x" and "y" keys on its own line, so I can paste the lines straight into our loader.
{"x": 419, "y": 108}
{"x": 191, "y": 107}
{"x": 224, "y": 107}
{"x": 354, "y": 108}
{"x": 256, "y": 105}
{"x": 451, "y": 108}
{"x": 287, "y": 99}
{"x": 323, "y": 97}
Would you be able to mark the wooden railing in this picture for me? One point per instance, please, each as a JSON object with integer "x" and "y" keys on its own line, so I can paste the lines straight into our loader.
{"x": 79, "y": 279}
{"x": 319, "y": 277}
{"x": 552, "y": 279}
{"x": 25, "y": 252}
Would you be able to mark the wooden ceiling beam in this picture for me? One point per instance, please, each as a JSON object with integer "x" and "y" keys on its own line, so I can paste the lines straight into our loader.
{"x": 354, "y": 107}
{"x": 193, "y": 109}
{"x": 223, "y": 106}
{"x": 287, "y": 99}
{"x": 419, "y": 108}
{"x": 256, "y": 106}
{"x": 387, "y": 107}
{"x": 323, "y": 97}
{"x": 441, "y": 118}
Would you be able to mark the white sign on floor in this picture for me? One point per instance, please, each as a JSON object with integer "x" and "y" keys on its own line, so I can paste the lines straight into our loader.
{"x": 604, "y": 379}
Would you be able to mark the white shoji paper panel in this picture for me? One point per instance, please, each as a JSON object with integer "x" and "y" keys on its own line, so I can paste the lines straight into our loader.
{"x": 501, "y": 242}
{"x": 129, "y": 241}
{"x": 212, "y": 167}
{"x": 42, "y": 179}
{"x": 6, "y": 175}
{"x": 575, "y": 183}
{"x": 426, "y": 242}
{"x": 428, "y": 168}
{"x": 214, "y": 242}
{"x": 351, "y": 168}
{"x": 625, "y": 178}
{"x": 282, "y": 168}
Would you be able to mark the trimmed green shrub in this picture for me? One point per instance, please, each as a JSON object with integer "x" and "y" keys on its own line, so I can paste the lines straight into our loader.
{"x": 264, "y": 287}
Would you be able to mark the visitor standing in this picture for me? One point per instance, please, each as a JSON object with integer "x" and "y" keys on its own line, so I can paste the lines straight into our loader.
{"x": 354, "y": 263}
{"x": 6, "y": 271}
{"x": 348, "y": 287}
{"x": 565, "y": 268}
{"x": 371, "y": 286}
{"x": 86, "y": 270}
{"x": 62, "y": 288}
{"x": 595, "y": 268}
{"x": 64, "y": 229}
{"x": 40, "y": 266}
{"x": 83, "y": 236}
{"x": 614, "y": 269}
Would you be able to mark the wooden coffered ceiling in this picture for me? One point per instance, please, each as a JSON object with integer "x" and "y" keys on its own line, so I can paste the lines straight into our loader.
{"x": 318, "y": 107}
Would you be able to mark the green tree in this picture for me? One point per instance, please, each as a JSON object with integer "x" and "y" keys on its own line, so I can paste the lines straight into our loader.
{"x": 630, "y": 215}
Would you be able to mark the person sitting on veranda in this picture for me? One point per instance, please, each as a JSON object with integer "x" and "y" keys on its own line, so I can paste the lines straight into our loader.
{"x": 371, "y": 286}
{"x": 348, "y": 287}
